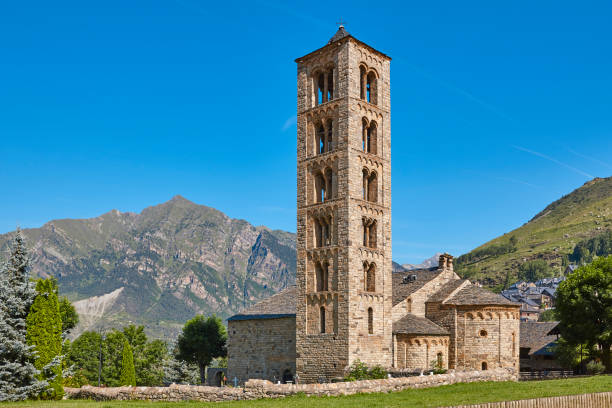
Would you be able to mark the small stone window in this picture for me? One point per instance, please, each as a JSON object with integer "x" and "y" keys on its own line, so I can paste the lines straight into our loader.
{"x": 483, "y": 333}
{"x": 484, "y": 366}
{"x": 322, "y": 312}
{"x": 370, "y": 321}
{"x": 439, "y": 360}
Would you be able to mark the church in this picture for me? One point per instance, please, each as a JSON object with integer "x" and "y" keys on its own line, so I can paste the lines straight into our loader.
{"x": 347, "y": 304}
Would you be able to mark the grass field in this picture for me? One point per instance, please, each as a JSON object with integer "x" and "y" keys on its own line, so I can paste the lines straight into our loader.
{"x": 447, "y": 395}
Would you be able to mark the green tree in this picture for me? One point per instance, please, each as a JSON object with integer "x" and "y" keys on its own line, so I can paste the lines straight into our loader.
{"x": 18, "y": 376}
{"x": 69, "y": 315}
{"x": 128, "y": 373}
{"x": 202, "y": 339}
{"x": 149, "y": 356}
{"x": 549, "y": 315}
{"x": 533, "y": 271}
{"x": 584, "y": 306}
{"x": 44, "y": 332}
{"x": 83, "y": 355}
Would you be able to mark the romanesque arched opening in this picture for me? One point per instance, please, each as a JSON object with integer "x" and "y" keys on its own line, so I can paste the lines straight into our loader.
{"x": 362, "y": 81}
{"x": 372, "y": 187}
{"x": 322, "y": 319}
{"x": 370, "y": 281}
{"x": 371, "y": 88}
{"x": 320, "y": 187}
{"x": 320, "y": 139}
{"x": 330, "y": 135}
{"x": 372, "y": 137}
{"x": 320, "y": 88}
{"x": 330, "y": 84}
{"x": 370, "y": 321}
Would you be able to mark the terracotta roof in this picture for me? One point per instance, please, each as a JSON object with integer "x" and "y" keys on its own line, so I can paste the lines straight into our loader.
{"x": 280, "y": 305}
{"x": 535, "y": 335}
{"x": 473, "y": 295}
{"x": 446, "y": 290}
{"x": 411, "y": 324}
{"x": 402, "y": 289}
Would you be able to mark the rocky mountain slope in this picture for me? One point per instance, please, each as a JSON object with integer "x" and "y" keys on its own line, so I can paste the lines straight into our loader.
{"x": 550, "y": 235}
{"x": 162, "y": 266}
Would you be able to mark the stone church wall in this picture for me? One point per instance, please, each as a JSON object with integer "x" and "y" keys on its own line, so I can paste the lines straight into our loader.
{"x": 418, "y": 352}
{"x": 261, "y": 348}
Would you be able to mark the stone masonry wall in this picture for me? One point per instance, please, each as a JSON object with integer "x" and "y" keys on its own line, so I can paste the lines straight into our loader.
{"x": 260, "y": 348}
{"x": 417, "y": 352}
{"x": 256, "y": 389}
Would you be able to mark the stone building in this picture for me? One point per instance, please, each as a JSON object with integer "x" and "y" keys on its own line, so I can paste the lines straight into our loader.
{"x": 347, "y": 304}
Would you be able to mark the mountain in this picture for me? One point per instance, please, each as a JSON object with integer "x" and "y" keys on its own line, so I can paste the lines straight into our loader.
{"x": 550, "y": 235}
{"x": 428, "y": 263}
{"x": 160, "y": 267}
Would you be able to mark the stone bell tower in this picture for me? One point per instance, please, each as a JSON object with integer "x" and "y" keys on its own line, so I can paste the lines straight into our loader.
{"x": 343, "y": 209}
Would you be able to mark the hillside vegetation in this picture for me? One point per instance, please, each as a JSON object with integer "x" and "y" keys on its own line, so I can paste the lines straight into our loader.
{"x": 551, "y": 236}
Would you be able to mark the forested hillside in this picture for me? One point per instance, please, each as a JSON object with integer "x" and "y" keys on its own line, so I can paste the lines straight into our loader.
{"x": 578, "y": 221}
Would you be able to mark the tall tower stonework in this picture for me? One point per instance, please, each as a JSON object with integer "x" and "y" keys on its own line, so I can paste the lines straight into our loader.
{"x": 344, "y": 292}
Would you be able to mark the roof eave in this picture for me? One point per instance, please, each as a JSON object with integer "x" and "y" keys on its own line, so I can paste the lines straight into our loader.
{"x": 347, "y": 38}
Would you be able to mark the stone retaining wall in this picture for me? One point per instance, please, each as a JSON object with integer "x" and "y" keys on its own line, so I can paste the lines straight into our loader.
{"x": 256, "y": 389}
{"x": 599, "y": 400}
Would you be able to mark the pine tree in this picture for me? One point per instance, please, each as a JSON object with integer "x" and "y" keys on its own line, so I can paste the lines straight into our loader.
{"x": 45, "y": 334}
{"x": 128, "y": 373}
{"x": 18, "y": 376}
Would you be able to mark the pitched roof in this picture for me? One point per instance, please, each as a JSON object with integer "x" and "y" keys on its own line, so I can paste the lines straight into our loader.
{"x": 534, "y": 335}
{"x": 473, "y": 295}
{"x": 402, "y": 289}
{"x": 446, "y": 290}
{"x": 411, "y": 324}
{"x": 340, "y": 34}
{"x": 280, "y": 305}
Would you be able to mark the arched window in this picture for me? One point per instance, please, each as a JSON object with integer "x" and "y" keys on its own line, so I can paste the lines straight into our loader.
{"x": 320, "y": 188}
{"x": 362, "y": 81}
{"x": 329, "y": 179}
{"x": 440, "y": 360}
{"x": 330, "y": 132}
{"x": 371, "y": 88}
{"x": 372, "y": 141}
{"x": 365, "y": 184}
{"x": 320, "y": 276}
{"x": 320, "y": 139}
{"x": 372, "y": 234}
{"x": 318, "y": 233}
{"x": 320, "y": 88}
{"x": 371, "y": 278}
{"x": 513, "y": 344}
{"x": 364, "y": 137}
{"x": 322, "y": 316}
{"x": 484, "y": 366}
{"x": 370, "y": 321}
{"x": 372, "y": 186}
{"x": 330, "y": 84}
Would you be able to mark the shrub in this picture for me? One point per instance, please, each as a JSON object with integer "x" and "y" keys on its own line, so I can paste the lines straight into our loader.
{"x": 360, "y": 371}
{"x": 595, "y": 367}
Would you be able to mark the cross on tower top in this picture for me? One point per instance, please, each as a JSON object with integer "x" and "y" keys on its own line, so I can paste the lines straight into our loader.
{"x": 341, "y": 23}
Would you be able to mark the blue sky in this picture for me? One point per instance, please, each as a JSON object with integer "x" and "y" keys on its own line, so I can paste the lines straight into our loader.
{"x": 498, "y": 108}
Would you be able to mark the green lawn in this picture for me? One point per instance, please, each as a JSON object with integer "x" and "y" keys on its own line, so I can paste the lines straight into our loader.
{"x": 456, "y": 394}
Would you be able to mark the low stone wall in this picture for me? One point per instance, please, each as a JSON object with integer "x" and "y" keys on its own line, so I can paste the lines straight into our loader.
{"x": 599, "y": 400}
{"x": 256, "y": 389}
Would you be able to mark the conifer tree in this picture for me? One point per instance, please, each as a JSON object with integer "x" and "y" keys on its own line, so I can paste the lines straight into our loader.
{"x": 128, "y": 372}
{"x": 18, "y": 376}
{"x": 45, "y": 334}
